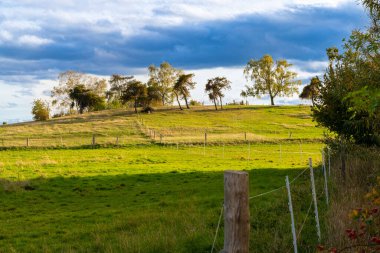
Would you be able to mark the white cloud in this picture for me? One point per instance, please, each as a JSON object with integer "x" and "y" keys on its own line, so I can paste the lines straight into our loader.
{"x": 129, "y": 17}
{"x": 20, "y": 25}
{"x": 32, "y": 40}
{"x": 5, "y": 36}
{"x": 17, "y": 99}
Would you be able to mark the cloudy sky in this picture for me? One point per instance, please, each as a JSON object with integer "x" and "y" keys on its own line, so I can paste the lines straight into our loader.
{"x": 41, "y": 38}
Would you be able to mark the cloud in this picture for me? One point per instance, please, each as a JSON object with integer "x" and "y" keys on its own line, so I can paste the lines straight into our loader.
{"x": 5, "y": 36}
{"x": 41, "y": 38}
{"x": 303, "y": 34}
{"x": 17, "y": 98}
{"x": 32, "y": 40}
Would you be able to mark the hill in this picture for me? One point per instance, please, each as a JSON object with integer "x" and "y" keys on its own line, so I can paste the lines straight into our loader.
{"x": 143, "y": 196}
{"x": 234, "y": 124}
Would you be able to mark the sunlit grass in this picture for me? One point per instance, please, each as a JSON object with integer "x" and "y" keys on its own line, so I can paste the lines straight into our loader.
{"x": 142, "y": 196}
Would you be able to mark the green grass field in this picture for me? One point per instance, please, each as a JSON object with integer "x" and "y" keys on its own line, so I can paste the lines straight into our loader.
{"x": 252, "y": 123}
{"x": 147, "y": 197}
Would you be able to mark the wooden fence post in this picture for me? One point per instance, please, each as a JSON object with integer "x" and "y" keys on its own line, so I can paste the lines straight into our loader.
{"x": 27, "y": 142}
{"x": 93, "y": 140}
{"x": 236, "y": 212}
{"x": 117, "y": 140}
{"x": 245, "y": 136}
{"x": 205, "y": 139}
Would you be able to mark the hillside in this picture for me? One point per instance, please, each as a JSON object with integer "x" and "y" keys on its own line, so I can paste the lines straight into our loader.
{"x": 251, "y": 123}
{"x": 142, "y": 196}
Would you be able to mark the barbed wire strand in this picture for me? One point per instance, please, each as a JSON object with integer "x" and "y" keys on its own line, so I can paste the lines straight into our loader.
{"x": 307, "y": 215}
{"x": 300, "y": 174}
{"x": 279, "y": 188}
{"x": 299, "y": 232}
{"x": 268, "y": 192}
{"x": 217, "y": 228}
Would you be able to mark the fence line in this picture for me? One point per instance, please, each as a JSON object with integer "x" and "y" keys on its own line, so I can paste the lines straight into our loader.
{"x": 217, "y": 227}
{"x": 295, "y": 234}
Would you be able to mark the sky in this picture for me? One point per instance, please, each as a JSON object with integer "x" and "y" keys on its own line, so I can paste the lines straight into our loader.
{"x": 41, "y": 38}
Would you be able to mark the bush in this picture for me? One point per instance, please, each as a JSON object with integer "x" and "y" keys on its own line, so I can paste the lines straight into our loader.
{"x": 352, "y": 77}
{"x": 195, "y": 103}
{"x": 40, "y": 110}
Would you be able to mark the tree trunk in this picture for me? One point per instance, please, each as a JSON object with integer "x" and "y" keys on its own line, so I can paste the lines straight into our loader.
{"x": 163, "y": 100}
{"x": 187, "y": 104}
{"x": 180, "y": 107}
{"x": 221, "y": 104}
{"x": 135, "y": 106}
{"x": 216, "y": 108}
{"x": 271, "y": 100}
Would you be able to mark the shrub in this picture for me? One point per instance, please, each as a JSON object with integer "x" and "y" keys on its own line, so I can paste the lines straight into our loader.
{"x": 195, "y": 103}
{"x": 40, "y": 110}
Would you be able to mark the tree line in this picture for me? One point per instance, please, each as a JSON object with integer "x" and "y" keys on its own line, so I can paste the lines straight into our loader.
{"x": 345, "y": 100}
{"x": 78, "y": 92}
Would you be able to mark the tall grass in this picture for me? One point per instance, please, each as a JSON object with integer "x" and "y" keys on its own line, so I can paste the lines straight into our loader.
{"x": 362, "y": 167}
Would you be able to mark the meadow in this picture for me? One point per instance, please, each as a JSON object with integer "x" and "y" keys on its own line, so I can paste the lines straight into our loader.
{"x": 237, "y": 123}
{"x": 146, "y": 196}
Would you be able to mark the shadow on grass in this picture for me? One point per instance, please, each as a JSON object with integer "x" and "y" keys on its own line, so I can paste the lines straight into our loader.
{"x": 163, "y": 212}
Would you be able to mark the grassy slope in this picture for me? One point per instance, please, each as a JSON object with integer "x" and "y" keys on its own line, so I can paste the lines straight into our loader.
{"x": 151, "y": 198}
{"x": 260, "y": 124}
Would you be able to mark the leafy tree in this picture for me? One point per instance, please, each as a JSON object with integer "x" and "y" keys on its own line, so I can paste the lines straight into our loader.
{"x": 244, "y": 95}
{"x": 118, "y": 83}
{"x": 70, "y": 79}
{"x": 153, "y": 95}
{"x": 348, "y": 103}
{"x": 214, "y": 89}
{"x": 164, "y": 78}
{"x": 311, "y": 90}
{"x": 84, "y": 98}
{"x": 135, "y": 91}
{"x": 182, "y": 88}
{"x": 40, "y": 110}
{"x": 373, "y": 8}
{"x": 272, "y": 78}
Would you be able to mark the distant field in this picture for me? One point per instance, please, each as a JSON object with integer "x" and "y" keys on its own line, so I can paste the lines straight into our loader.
{"x": 235, "y": 124}
{"x": 143, "y": 196}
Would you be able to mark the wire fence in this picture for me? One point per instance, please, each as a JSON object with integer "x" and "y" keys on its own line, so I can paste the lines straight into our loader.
{"x": 297, "y": 233}
{"x": 138, "y": 132}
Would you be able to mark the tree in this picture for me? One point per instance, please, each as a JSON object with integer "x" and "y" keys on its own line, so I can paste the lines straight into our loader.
{"x": 135, "y": 91}
{"x": 214, "y": 89}
{"x": 311, "y": 90}
{"x": 118, "y": 83}
{"x": 40, "y": 110}
{"x": 244, "y": 95}
{"x": 70, "y": 79}
{"x": 84, "y": 98}
{"x": 164, "y": 78}
{"x": 268, "y": 77}
{"x": 348, "y": 103}
{"x": 182, "y": 88}
{"x": 153, "y": 95}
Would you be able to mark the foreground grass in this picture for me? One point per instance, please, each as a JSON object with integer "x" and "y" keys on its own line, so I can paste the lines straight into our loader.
{"x": 147, "y": 198}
